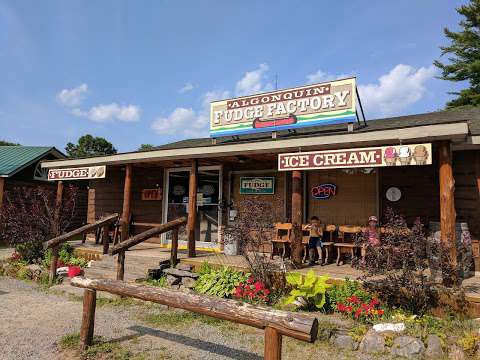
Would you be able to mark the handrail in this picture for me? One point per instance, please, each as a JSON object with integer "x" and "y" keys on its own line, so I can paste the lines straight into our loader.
{"x": 89, "y": 227}
{"x": 137, "y": 239}
{"x": 275, "y": 323}
{"x": 147, "y": 234}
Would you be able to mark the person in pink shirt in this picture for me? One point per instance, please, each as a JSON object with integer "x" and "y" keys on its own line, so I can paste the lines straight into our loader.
{"x": 371, "y": 234}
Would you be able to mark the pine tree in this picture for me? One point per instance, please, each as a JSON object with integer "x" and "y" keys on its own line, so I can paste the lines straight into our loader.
{"x": 464, "y": 62}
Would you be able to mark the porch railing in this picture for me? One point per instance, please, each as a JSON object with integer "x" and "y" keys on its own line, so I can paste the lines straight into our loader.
{"x": 120, "y": 248}
{"x": 56, "y": 242}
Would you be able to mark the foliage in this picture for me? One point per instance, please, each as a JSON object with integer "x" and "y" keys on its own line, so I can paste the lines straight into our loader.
{"x": 252, "y": 231}
{"x": 89, "y": 146}
{"x": 221, "y": 282}
{"x": 403, "y": 269}
{"x": 358, "y": 331}
{"x": 69, "y": 341}
{"x": 464, "y": 61}
{"x": 469, "y": 343}
{"x": 309, "y": 289}
{"x": 160, "y": 282}
{"x": 7, "y": 143}
{"x": 28, "y": 218}
{"x": 205, "y": 268}
{"x": 355, "y": 308}
{"x": 252, "y": 291}
{"x": 146, "y": 147}
{"x": 338, "y": 293}
{"x": 65, "y": 258}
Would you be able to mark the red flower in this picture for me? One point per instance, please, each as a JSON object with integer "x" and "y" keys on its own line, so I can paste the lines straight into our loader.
{"x": 250, "y": 280}
{"x": 258, "y": 286}
{"x": 353, "y": 299}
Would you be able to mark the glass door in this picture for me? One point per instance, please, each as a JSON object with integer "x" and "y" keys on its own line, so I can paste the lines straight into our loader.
{"x": 208, "y": 198}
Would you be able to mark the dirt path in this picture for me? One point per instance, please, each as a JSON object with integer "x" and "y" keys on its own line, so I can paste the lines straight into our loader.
{"x": 32, "y": 321}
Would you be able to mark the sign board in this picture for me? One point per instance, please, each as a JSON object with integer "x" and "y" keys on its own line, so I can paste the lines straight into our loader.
{"x": 399, "y": 155}
{"x": 264, "y": 185}
{"x": 324, "y": 191}
{"x": 151, "y": 194}
{"x": 331, "y": 102}
{"x": 81, "y": 173}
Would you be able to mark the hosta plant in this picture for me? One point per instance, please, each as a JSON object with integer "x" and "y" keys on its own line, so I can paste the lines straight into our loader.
{"x": 221, "y": 282}
{"x": 308, "y": 290}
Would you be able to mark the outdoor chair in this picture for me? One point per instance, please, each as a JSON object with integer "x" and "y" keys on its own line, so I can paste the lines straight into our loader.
{"x": 346, "y": 234}
{"x": 283, "y": 232}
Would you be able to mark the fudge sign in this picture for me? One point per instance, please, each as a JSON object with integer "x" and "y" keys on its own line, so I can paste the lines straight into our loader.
{"x": 83, "y": 173}
{"x": 317, "y": 104}
{"x": 399, "y": 155}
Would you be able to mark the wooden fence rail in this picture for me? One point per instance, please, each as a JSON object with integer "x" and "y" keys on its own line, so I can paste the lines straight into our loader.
{"x": 55, "y": 243}
{"x": 275, "y": 322}
{"x": 137, "y": 239}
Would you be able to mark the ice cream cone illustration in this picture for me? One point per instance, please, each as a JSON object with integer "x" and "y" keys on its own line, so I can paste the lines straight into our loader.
{"x": 390, "y": 156}
{"x": 405, "y": 155}
{"x": 420, "y": 154}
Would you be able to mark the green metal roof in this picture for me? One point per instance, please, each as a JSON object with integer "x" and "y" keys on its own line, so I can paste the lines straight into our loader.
{"x": 15, "y": 158}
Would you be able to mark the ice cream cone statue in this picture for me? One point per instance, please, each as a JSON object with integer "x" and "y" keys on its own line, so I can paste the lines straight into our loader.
{"x": 420, "y": 154}
{"x": 405, "y": 155}
{"x": 390, "y": 156}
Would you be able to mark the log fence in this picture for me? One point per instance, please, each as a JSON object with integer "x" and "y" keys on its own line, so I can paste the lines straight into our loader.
{"x": 275, "y": 323}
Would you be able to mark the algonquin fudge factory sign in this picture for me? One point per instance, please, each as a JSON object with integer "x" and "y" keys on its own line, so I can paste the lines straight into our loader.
{"x": 81, "y": 173}
{"x": 318, "y": 104}
{"x": 399, "y": 155}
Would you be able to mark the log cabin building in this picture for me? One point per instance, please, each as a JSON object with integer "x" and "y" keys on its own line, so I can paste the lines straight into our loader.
{"x": 425, "y": 165}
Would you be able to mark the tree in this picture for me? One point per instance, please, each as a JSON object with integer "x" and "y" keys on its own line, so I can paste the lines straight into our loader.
{"x": 7, "y": 143}
{"x": 89, "y": 146}
{"x": 146, "y": 147}
{"x": 464, "y": 64}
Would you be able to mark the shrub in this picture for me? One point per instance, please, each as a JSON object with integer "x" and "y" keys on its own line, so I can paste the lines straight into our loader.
{"x": 252, "y": 291}
{"x": 221, "y": 282}
{"x": 355, "y": 308}
{"x": 338, "y": 293}
{"x": 65, "y": 257}
{"x": 310, "y": 290}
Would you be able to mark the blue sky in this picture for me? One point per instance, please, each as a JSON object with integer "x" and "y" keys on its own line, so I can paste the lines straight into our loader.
{"x": 143, "y": 71}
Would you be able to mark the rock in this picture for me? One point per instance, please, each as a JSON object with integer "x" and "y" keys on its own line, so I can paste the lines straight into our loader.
{"x": 154, "y": 274}
{"x": 34, "y": 271}
{"x": 184, "y": 267}
{"x": 62, "y": 271}
{"x": 389, "y": 328}
{"x": 164, "y": 262}
{"x": 188, "y": 283}
{"x": 434, "y": 347}
{"x": 408, "y": 346}
{"x": 456, "y": 353}
{"x": 172, "y": 280}
{"x": 180, "y": 273}
{"x": 372, "y": 342}
{"x": 344, "y": 342}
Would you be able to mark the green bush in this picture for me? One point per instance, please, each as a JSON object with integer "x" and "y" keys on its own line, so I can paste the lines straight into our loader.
{"x": 65, "y": 257}
{"x": 338, "y": 293}
{"x": 311, "y": 289}
{"x": 221, "y": 282}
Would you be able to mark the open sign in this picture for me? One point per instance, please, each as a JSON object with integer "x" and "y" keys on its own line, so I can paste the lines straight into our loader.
{"x": 324, "y": 191}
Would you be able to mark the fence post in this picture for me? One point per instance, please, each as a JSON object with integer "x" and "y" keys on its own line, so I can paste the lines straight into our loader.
{"x": 273, "y": 344}
{"x": 53, "y": 265}
{"x": 121, "y": 265}
{"x": 105, "y": 239}
{"x": 174, "y": 249}
{"x": 88, "y": 318}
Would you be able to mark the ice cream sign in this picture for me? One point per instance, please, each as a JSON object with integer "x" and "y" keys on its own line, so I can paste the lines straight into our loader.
{"x": 395, "y": 155}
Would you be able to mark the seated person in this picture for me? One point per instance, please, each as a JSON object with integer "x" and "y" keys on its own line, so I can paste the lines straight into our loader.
{"x": 315, "y": 241}
{"x": 371, "y": 234}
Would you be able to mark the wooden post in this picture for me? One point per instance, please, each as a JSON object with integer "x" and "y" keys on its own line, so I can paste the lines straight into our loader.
{"x": 53, "y": 265}
{"x": 2, "y": 190}
{"x": 447, "y": 214}
{"x": 273, "y": 344}
{"x": 297, "y": 217}
{"x": 127, "y": 199}
{"x": 88, "y": 318}
{"x": 58, "y": 209}
{"x": 121, "y": 265}
{"x": 192, "y": 208}
{"x": 174, "y": 249}
{"x": 105, "y": 239}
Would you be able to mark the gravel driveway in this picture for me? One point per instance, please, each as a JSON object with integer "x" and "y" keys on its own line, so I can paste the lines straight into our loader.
{"x": 32, "y": 321}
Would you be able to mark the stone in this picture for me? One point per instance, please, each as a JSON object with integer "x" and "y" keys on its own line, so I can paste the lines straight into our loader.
{"x": 188, "y": 283}
{"x": 180, "y": 273}
{"x": 389, "y": 328}
{"x": 434, "y": 347}
{"x": 456, "y": 353}
{"x": 154, "y": 274}
{"x": 344, "y": 342}
{"x": 372, "y": 343}
{"x": 34, "y": 271}
{"x": 408, "y": 346}
{"x": 172, "y": 280}
{"x": 184, "y": 267}
{"x": 62, "y": 271}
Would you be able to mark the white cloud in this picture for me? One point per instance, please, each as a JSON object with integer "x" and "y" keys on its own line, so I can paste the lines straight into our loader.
{"x": 185, "y": 121}
{"x": 214, "y": 95}
{"x": 321, "y": 76}
{"x": 186, "y": 88}
{"x": 253, "y": 82}
{"x": 72, "y": 97}
{"x": 110, "y": 112}
{"x": 395, "y": 91}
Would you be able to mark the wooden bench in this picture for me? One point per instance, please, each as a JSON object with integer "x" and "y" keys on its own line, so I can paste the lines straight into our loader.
{"x": 343, "y": 246}
{"x": 282, "y": 234}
